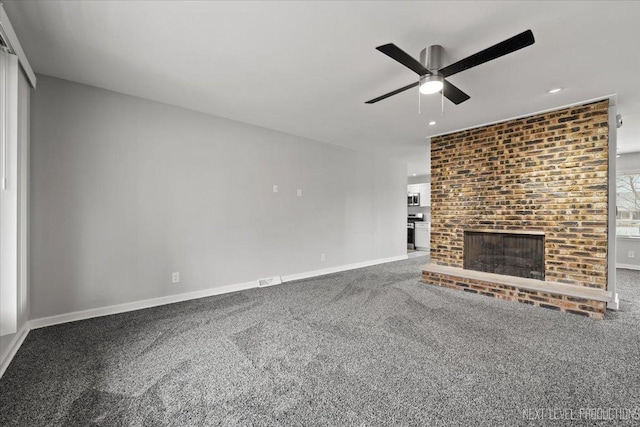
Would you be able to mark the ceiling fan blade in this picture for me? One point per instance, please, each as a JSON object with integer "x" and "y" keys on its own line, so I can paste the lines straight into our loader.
{"x": 395, "y": 92}
{"x": 520, "y": 41}
{"x": 454, "y": 94}
{"x": 394, "y": 52}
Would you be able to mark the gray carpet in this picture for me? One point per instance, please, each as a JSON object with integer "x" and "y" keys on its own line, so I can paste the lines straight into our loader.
{"x": 365, "y": 347}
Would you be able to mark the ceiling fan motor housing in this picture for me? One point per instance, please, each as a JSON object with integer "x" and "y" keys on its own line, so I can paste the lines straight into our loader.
{"x": 431, "y": 57}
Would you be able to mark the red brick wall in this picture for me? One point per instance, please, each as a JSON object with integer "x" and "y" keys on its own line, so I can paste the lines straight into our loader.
{"x": 546, "y": 172}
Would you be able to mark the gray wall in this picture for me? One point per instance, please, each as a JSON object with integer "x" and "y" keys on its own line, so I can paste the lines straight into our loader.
{"x": 627, "y": 163}
{"x": 125, "y": 191}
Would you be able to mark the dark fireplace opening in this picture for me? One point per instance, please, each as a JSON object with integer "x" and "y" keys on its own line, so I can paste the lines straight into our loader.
{"x": 512, "y": 254}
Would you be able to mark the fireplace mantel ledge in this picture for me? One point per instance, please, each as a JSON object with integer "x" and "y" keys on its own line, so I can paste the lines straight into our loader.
{"x": 523, "y": 283}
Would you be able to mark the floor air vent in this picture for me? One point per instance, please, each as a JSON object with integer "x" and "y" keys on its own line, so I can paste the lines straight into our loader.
{"x": 270, "y": 281}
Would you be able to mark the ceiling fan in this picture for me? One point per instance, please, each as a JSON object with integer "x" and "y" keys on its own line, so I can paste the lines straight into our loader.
{"x": 432, "y": 77}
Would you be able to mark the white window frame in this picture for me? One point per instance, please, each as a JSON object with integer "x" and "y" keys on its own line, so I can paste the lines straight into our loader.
{"x": 14, "y": 167}
{"x": 9, "y": 194}
{"x": 625, "y": 236}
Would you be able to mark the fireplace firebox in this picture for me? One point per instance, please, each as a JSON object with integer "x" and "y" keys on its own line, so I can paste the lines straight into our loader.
{"x": 514, "y": 254}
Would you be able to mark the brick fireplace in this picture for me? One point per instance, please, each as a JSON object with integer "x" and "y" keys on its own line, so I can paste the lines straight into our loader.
{"x": 543, "y": 175}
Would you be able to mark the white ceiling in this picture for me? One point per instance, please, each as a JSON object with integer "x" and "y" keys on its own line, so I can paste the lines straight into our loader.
{"x": 306, "y": 68}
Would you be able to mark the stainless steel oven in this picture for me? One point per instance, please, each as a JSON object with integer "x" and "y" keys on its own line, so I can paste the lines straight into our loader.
{"x": 411, "y": 229}
{"x": 411, "y": 235}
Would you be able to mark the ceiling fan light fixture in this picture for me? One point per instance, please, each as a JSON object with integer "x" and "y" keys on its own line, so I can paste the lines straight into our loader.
{"x": 431, "y": 84}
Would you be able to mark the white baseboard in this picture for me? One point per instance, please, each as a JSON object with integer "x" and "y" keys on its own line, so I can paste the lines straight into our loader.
{"x": 15, "y": 344}
{"x": 170, "y": 299}
{"x": 322, "y": 272}
{"x": 137, "y": 305}
{"x": 628, "y": 266}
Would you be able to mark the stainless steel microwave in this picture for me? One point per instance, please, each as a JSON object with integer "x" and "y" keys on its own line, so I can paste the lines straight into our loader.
{"x": 413, "y": 199}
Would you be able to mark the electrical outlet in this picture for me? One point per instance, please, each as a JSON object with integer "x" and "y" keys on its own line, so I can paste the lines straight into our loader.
{"x": 631, "y": 254}
{"x": 299, "y": 192}
{"x": 323, "y": 257}
{"x": 175, "y": 277}
{"x": 275, "y": 188}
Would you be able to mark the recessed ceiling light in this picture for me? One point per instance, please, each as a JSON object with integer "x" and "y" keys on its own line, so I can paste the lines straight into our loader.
{"x": 555, "y": 90}
{"x": 617, "y": 155}
{"x": 432, "y": 123}
{"x": 415, "y": 174}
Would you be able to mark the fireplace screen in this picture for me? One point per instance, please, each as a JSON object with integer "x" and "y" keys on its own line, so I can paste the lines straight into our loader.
{"x": 519, "y": 255}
